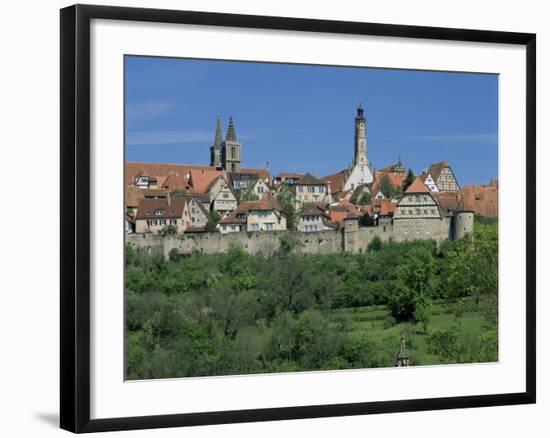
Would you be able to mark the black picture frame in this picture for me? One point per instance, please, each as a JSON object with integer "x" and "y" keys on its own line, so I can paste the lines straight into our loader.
{"x": 75, "y": 217}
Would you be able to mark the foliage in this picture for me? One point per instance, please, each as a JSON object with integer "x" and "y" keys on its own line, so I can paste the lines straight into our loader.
{"x": 408, "y": 181}
{"x": 213, "y": 218}
{"x": 248, "y": 196}
{"x": 178, "y": 193}
{"x": 366, "y": 220}
{"x": 388, "y": 189}
{"x": 233, "y": 313}
{"x": 287, "y": 200}
{"x": 375, "y": 244}
{"x": 365, "y": 199}
{"x": 168, "y": 230}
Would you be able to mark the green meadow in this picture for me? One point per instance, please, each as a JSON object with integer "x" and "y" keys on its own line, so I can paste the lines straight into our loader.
{"x": 234, "y": 313}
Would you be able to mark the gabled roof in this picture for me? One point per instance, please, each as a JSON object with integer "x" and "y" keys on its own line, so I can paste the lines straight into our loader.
{"x": 289, "y": 175}
{"x": 314, "y": 210}
{"x": 171, "y": 209}
{"x": 261, "y": 173}
{"x": 160, "y": 171}
{"x": 200, "y": 180}
{"x": 417, "y": 187}
{"x": 436, "y": 168}
{"x": 336, "y": 180}
{"x": 308, "y": 179}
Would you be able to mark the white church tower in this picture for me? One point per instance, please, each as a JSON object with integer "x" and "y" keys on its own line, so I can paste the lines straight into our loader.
{"x": 360, "y": 173}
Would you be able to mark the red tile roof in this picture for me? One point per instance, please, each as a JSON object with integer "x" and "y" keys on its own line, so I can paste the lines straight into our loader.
{"x": 417, "y": 187}
{"x": 170, "y": 209}
{"x": 336, "y": 180}
{"x": 386, "y": 208}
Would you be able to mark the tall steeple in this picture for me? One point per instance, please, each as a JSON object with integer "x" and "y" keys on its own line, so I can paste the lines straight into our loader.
{"x": 231, "y": 135}
{"x": 361, "y": 157}
{"x": 216, "y": 148}
{"x": 231, "y": 149}
{"x": 219, "y": 135}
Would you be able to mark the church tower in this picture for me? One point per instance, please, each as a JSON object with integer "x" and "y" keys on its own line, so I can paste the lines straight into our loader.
{"x": 361, "y": 157}
{"x": 231, "y": 150}
{"x": 216, "y": 148}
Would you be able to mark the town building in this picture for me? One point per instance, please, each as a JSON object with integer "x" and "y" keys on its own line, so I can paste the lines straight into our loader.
{"x": 442, "y": 175}
{"x": 263, "y": 215}
{"x": 314, "y": 218}
{"x": 311, "y": 190}
{"x": 153, "y": 215}
{"x": 221, "y": 197}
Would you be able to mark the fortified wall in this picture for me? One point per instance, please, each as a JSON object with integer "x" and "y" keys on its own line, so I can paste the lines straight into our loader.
{"x": 350, "y": 238}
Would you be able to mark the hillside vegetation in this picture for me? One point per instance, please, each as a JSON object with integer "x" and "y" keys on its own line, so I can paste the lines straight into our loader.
{"x": 234, "y": 313}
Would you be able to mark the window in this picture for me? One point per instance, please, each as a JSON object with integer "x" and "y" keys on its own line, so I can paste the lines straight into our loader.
{"x": 321, "y": 189}
{"x": 193, "y": 219}
{"x": 300, "y": 188}
{"x": 224, "y": 227}
{"x": 159, "y": 211}
{"x": 163, "y": 221}
{"x": 255, "y": 227}
{"x": 173, "y": 221}
{"x": 232, "y": 227}
{"x": 261, "y": 189}
{"x": 225, "y": 195}
{"x": 418, "y": 212}
{"x": 311, "y": 189}
{"x": 269, "y": 226}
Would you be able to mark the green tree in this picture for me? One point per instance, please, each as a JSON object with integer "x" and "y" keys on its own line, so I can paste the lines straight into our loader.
{"x": 366, "y": 220}
{"x": 178, "y": 193}
{"x": 365, "y": 199}
{"x": 388, "y": 189}
{"x": 408, "y": 181}
{"x": 473, "y": 267}
{"x": 213, "y": 218}
{"x": 168, "y": 230}
{"x": 248, "y": 196}
{"x": 413, "y": 287}
{"x": 287, "y": 200}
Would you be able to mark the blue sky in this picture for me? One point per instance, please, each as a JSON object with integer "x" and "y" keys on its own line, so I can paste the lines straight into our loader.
{"x": 301, "y": 118}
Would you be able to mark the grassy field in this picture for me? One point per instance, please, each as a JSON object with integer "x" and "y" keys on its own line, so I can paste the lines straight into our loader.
{"x": 376, "y": 324}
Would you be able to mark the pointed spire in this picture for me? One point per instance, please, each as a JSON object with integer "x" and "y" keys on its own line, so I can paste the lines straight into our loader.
{"x": 360, "y": 110}
{"x": 402, "y": 359}
{"x": 231, "y": 135}
{"x": 218, "y": 139}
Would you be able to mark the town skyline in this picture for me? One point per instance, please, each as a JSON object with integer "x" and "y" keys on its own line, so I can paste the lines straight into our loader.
{"x": 165, "y": 123}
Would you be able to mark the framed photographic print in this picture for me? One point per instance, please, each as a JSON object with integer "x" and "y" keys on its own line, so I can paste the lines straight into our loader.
{"x": 270, "y": 218}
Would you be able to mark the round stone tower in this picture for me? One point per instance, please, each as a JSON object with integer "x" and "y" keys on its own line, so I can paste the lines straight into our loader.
{"x": 463, "y": 222}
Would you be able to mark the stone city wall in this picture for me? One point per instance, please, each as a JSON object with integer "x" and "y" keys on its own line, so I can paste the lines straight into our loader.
{"x": 351, "y": 238}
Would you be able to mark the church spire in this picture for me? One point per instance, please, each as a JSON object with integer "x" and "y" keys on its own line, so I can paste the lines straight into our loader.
{"x": 231, "y": 135}
{"x": 219, "y": 136}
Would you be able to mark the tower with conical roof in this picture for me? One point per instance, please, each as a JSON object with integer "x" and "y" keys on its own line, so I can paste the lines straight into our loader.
{"x": 231, "y": 149}
{"x": 216, "y": 148}
{"x": 402, "y": 358}
{"x": 360, "y": 157}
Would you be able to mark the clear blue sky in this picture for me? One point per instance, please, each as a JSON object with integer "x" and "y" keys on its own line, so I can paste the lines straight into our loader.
{"x": 301, "y": 118}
